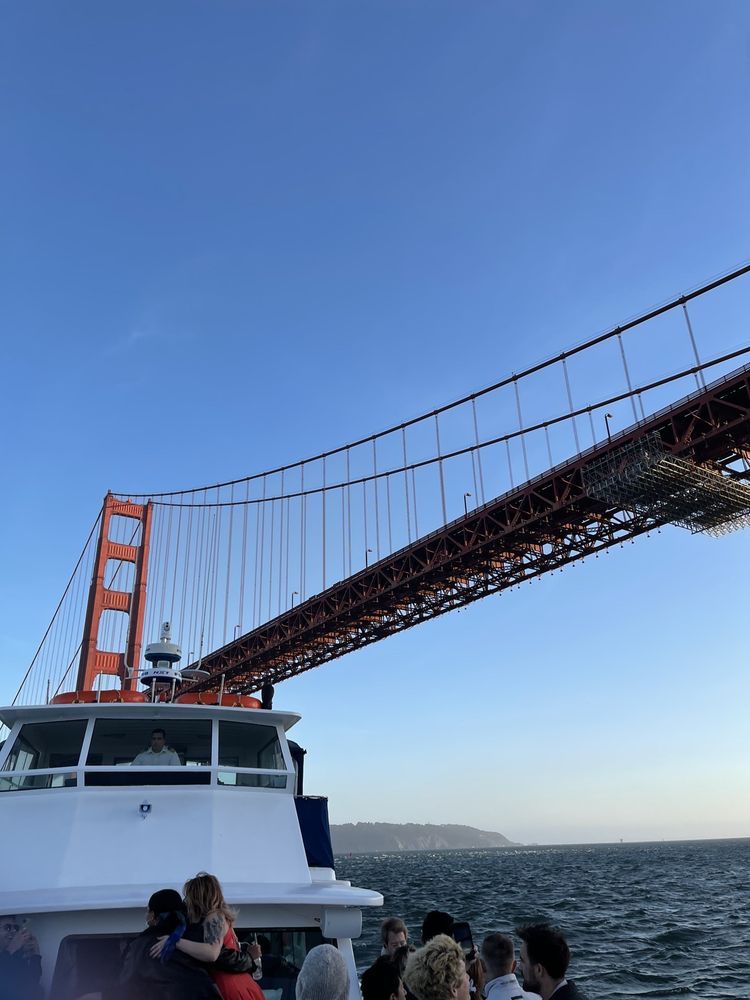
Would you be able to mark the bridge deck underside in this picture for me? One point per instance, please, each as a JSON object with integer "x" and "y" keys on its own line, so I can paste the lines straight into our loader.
{"x": 547, "y": 523}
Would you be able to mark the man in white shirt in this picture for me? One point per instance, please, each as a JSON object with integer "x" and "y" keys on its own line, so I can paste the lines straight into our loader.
{"x": 158, "y": 754}
{"x": 498, "y": 958}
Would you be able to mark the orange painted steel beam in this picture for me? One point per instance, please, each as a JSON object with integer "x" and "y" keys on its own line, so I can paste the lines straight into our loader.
{"x": 538, "y": 527}
{"x": 95, "y": 661}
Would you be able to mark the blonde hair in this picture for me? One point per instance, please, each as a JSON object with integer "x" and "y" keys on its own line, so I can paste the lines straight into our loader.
{"x": 436, "y": 971}
{"x": 203, "y": 895}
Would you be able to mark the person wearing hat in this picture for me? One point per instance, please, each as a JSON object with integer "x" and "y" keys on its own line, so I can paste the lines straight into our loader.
{"x": 323, "y": 975}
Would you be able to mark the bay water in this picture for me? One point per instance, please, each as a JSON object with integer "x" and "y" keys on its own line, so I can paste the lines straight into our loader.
{"x": 664, "y": 920}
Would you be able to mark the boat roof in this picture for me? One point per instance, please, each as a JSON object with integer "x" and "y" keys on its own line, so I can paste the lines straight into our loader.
{"x": 114, "y": 897}
{"x": 147, "y": 709}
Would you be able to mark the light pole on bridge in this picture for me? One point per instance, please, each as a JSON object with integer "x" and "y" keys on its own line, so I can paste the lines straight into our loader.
{"x": 607, "y": 418}
{"x": 466, "y": 508}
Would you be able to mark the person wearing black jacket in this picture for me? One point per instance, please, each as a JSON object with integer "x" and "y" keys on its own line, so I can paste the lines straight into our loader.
{"x": 545, "y": 957}
{"x": 178, "y": 977}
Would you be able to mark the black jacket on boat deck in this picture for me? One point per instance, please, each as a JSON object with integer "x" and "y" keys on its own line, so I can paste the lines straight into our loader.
{"x": 146, "y": 978}
{"x": 569, "y": 992}
{"x": 20, "y": 976}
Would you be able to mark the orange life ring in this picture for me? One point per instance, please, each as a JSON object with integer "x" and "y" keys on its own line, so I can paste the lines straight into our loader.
{"x": 212, "y": 698}
{"x": 74, "y": 698}
{"x": 123, "y": 696}
{"x": 106, "y": 697}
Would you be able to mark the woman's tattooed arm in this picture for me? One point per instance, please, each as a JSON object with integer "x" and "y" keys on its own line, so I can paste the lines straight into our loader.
{"x": 214, "y": 928}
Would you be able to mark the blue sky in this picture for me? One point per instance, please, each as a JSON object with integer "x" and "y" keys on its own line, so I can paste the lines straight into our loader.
{"x": 237, "y": 234}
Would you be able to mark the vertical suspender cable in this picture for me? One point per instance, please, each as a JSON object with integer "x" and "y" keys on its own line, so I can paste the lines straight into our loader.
{"x": 302, "y": 534}
{"x": 74, "y": 598}
{"x": 177, "y": 554}
{"x": 593, "y": 431}
{"x": 323, "y": 507}
{"x": 549, "y": 448}
{"x": 520, "y": 427}
{"x": 406, "y": 482}
{"x": 195, "y": 595}
{"x": 478, "y": 449}
{"x": 282, "y": 530}
{"x": 388, "y": 501}
{"x": 210, "y": 538}
{"x": 414, "y": 495}
{"x": 229, "y": 565}
{"x": 262, "y": 553}
{"x": 627, "y": 376}
{"x": 208, "y": 610}
{"x": 186, "y": 569}
{"x": 243, "y": 557}
{"x": 349, "y": 508}
{"x": 155, "y": 561}
{"x": 364, "y": 516}
{"x": 303, "y": 591}
{"x": 700, "y": 378}
{"x": 343, "y": 534}
{"x": 216, "y": 558}
{"x": 270, "y": 556}
{"x": 211, "y": 575}
{"x": 440, "y": 469}
{"x": 375, "y": 487}
{"x": 256, "y": 564}
{"x": 165, "y": 574}
{"x": 54, "y": 642}
{"x": 286, "y": 554}
{"x": 570, "y": 403}
{"x": 510, "y": 464}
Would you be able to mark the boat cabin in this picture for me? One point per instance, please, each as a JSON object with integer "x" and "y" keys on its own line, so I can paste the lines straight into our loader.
{"x": 95, "y": 820}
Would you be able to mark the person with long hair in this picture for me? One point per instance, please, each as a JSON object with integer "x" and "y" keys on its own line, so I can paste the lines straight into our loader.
{"x": 173, "y": 974}
{"x": 211, "y": 928}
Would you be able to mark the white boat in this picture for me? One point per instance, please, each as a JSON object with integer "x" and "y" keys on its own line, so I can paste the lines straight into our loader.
{"x": 88, "y": 836}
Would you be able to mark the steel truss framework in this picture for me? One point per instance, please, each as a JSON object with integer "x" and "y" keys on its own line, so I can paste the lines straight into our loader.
{"x": 549, "y": 522}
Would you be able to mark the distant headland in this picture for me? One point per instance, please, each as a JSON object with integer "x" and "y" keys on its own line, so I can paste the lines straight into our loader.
{"x": 366, "y": 838}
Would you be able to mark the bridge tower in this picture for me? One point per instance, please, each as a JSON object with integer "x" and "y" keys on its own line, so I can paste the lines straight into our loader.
{"x": 95, "y": 661}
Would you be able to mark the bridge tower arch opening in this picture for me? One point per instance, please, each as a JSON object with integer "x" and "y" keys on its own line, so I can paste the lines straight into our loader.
{"x": 96, "y": 662}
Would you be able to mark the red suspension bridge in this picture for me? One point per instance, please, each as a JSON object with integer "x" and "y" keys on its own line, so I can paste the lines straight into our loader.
{"x": 269, "y": 575}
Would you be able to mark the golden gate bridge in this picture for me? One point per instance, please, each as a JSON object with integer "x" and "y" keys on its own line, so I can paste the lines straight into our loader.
{"x": 269, "y": 575}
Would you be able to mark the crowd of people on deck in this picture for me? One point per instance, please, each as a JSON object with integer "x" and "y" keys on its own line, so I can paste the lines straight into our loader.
{"x": 189, "y": 951}
{"x": 444, "y": 969}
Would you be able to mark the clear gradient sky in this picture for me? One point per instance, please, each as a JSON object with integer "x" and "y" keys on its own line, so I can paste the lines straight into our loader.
{"x": 235, "y": 234}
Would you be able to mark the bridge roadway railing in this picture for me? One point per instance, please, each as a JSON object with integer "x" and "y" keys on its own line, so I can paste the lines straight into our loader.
{"x": 540, "y": 526}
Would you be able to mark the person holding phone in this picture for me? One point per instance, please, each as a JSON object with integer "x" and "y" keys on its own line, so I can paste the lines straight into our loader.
{"x": 20, "y": 962}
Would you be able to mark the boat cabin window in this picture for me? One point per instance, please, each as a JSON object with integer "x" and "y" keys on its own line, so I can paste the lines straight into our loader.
{"x": 121, "y": 745}
{"x": 88, "y": 965}
{"x": 283, "y": 951}
{"x": 43, "y": 746}
{"x": 127, "y": 750}
{"x": 242, "y": 745}
{"x": 91, "y": 964}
